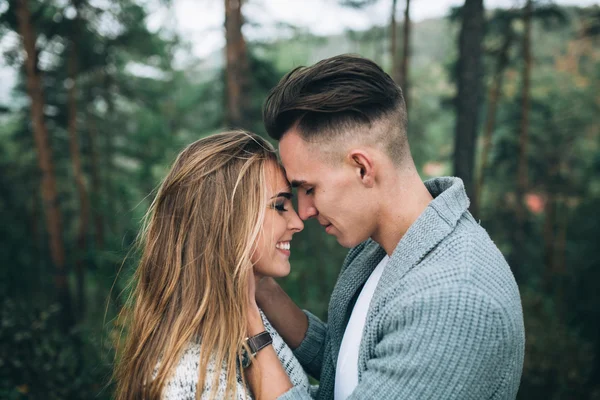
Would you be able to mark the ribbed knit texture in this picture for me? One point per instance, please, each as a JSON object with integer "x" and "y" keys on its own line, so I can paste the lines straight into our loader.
{"x": 182, "y": 385}
{"x": 445, "y": 321}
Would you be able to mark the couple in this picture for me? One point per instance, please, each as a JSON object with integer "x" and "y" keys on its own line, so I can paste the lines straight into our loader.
{"x": 425, "y": 306}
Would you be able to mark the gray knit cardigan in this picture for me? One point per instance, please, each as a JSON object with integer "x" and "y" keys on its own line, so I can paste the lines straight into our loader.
{"x": 445, "y": 321}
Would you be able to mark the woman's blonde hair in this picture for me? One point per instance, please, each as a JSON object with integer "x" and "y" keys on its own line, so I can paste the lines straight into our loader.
{"x": 192, "y": 279}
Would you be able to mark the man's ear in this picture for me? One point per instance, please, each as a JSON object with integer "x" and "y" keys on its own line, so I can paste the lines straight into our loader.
{"x": 362, "y": 161}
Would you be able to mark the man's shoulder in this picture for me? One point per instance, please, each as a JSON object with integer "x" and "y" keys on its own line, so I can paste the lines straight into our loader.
{"x": 466, "y": 285}
{"x": 468, "y": 258}
{"x": 474, "y": 254}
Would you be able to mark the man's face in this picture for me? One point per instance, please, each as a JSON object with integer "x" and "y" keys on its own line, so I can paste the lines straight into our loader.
{"x": 329, "y": 191}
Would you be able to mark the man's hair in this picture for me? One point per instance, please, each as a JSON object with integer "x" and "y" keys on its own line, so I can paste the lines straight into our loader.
{"x": 336, "y": 97}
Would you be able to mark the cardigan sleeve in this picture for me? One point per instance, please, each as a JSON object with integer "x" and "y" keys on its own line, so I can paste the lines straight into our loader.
{"x": 449, "y": 342}
{"x": 310, "y": 352}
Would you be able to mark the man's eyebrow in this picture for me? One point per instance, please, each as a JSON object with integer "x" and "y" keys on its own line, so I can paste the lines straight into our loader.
{"x": 296, "y": 183}
{"x": 287, "y": 195}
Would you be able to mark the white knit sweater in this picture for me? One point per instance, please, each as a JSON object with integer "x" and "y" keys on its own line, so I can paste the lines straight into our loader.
{"x": 182, "y": 385}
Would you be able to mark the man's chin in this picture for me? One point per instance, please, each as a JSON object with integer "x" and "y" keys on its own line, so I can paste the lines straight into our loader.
{"x": 347, "y": 243}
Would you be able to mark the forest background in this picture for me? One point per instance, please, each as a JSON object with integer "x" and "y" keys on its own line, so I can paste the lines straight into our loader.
{"x": 101, "y": 102}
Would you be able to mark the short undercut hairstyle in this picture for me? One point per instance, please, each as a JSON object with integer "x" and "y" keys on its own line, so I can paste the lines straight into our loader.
{"x": 337, "y": 97}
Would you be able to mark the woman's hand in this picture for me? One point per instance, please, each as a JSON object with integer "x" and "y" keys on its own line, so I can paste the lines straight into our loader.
{"x": 255, "y": 323}
{"x": 266, "y": 376}
{"x": 285, "y": 316}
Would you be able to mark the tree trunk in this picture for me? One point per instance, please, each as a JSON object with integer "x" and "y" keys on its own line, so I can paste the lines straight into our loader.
{"x": 378, "y": 45}
{"x": 469, "y": 73}
{"x": 111, "y": 191}
{"x": 237, "y": 67}
{"x": 37, "y": 242}
{"x": 522, "y": 174}
{"x": 549, "y": 240}
{"x": 405, "y": 54}
{"x": 84, "y": 205}
{"x": 559, "y": 264}
{"x": 394, "y": 43}
{"x": 490, "y": 123}
{"x": 96, "y": 188}
{"x": 45, "y": 160}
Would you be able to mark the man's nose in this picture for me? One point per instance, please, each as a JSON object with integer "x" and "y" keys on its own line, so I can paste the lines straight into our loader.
{"x": 306, "y": 207}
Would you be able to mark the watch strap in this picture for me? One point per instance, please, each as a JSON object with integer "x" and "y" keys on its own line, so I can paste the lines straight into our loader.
{"x": 259, "y": 342}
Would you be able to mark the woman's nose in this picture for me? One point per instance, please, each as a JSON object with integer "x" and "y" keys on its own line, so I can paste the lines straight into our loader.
{"x": 295, "y": 223}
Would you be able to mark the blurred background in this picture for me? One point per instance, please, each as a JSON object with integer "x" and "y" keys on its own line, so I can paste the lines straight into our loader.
{"x": 98, "y": 96}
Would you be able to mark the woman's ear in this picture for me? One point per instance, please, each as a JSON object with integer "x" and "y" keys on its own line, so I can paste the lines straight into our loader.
{"x": 362, "y": 161}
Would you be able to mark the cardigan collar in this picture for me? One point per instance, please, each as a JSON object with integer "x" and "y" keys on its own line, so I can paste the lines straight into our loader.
{"x": 441, "y": 216}
{"x": 431, "y": 227}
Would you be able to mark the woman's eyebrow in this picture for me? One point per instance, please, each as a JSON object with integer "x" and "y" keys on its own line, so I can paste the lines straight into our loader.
{"x": 287, "y": 195}
{"x": 296, "y": 183}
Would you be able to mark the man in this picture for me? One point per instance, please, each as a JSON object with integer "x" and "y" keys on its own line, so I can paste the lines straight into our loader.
{"x": 425, "y": 306}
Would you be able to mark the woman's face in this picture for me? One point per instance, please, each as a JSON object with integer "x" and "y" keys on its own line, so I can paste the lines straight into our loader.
{"x": 271, "y": 256}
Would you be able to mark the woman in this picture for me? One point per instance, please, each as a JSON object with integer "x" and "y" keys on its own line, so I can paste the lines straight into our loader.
{"x": 222, "y": 219}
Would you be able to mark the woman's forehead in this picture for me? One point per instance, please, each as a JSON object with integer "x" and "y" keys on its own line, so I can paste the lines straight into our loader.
{"x": 276, "y": 180}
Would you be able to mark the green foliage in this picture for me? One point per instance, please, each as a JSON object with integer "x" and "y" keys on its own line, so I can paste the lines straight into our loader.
{"x": 136, "y": 111}
{"x": 559, "y": 359}
{"x": 38, "y": 361}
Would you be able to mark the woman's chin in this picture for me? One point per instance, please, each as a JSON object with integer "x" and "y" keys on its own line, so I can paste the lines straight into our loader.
{"x": 280, "y": 272}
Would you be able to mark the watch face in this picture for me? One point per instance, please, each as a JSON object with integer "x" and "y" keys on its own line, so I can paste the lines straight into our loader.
{"x": 246, "y": 359}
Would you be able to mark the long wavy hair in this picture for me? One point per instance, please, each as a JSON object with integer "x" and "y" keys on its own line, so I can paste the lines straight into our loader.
{"x": 192, "y": 279}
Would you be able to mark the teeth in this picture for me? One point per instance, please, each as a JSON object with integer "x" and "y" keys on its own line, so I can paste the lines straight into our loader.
{"x": 283, "y": 245}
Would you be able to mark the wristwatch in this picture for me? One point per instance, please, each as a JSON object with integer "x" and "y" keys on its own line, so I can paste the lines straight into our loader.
{"x": 255, "y": 344}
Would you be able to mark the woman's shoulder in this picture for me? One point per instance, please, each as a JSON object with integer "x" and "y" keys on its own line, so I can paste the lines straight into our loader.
{"x": 183, "y": 382}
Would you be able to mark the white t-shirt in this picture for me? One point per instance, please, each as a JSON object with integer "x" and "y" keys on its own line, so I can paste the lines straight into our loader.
{"x": 346, "y": 371}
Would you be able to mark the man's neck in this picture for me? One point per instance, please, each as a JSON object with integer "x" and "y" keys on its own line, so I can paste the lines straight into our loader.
{"x": 403, "y": 205}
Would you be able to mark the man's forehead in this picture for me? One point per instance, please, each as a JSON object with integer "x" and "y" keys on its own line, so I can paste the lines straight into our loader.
{"x": 297, "y": 159}
{"x": 291, "y": 143}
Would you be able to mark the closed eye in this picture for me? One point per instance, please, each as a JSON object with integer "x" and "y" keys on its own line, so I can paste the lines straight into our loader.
{"x": 280, "y": 207}
{"x": 310, "y": 191}
{"x": 282, "y": 198}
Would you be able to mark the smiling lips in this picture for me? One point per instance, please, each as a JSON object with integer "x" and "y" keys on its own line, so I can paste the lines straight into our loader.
{"x": 283, "y": 245}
